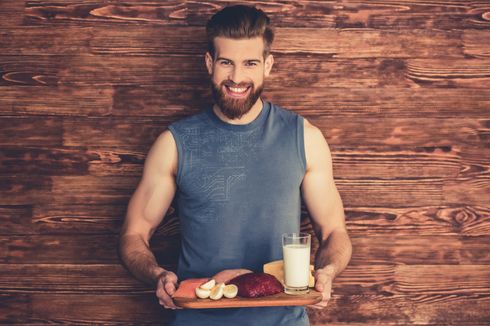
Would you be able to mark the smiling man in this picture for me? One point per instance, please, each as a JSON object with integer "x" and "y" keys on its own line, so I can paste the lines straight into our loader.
{"x": 238, "y": 170}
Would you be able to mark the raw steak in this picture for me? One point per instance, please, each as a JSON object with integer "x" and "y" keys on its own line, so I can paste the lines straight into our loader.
{"x": 252, "y": 285}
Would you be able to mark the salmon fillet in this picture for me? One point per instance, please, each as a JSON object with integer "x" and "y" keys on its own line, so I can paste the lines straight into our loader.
{"x": 187, "y": 288}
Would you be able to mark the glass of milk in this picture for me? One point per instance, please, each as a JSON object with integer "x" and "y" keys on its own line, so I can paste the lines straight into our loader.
{"x": 296, "y": 254}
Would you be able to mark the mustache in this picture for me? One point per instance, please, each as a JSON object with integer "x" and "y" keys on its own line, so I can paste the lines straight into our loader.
{"x": 229, "y": 83}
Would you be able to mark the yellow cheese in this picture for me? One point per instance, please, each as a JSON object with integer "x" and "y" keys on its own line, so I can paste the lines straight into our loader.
{"x": 276, "y": 268}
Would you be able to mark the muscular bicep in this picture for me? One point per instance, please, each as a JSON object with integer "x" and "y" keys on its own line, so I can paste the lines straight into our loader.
{"x": 156, "y": 189}
{"x": 319, "y": 191}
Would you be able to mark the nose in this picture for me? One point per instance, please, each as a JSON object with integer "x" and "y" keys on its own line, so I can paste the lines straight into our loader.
{"x": 237, "y": 75}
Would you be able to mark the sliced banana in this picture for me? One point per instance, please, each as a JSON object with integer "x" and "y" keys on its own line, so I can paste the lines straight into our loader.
{"x": 230, "y": 291}
{"x": 202, "y": 293}
{"x": 217, "y": 291}
{"x": 209, "y": 285}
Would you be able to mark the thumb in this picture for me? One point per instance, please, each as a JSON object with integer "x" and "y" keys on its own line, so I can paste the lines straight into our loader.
{"x": 320, "y": 280}
{"x": 319, "y": 286}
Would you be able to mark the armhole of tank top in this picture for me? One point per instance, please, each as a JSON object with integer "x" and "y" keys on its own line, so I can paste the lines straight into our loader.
{"x": 180, "y": 160}
{"x": 300, "y": 137}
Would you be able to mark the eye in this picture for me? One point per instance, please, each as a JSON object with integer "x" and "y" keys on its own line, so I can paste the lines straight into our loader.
{"x": 251, "y": 64}
{"x": 225, "y": 62}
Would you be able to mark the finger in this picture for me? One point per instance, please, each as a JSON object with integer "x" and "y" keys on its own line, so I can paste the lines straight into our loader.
{"x": 160, "y": 292}
{"x": 319, "y": 305}
{"x": 163, "y": 298}
{"x": 170, "y": 276}
{"x": 167, "y": 302}
{"x": 170, "y": 287}
{"x": 320, "y": 280}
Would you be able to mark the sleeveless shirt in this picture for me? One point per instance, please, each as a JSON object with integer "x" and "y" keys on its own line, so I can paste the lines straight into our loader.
{"x": 238, "y": 191}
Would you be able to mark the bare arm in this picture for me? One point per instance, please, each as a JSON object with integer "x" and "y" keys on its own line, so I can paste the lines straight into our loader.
{"x": 326, "y": 210}
{"x": 146, "y": 210}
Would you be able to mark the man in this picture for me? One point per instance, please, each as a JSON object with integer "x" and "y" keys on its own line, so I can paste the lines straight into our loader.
{"x": 238, "y": 170}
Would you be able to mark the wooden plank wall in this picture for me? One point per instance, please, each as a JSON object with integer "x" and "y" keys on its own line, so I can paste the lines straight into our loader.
{"x": 400, "y": 89}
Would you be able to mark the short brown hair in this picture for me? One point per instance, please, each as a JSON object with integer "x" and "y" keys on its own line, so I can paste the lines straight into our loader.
{"x": 239, "y": 22}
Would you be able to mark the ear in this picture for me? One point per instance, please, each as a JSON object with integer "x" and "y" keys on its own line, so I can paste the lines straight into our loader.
{"x": 269, "y": 62}
{"x": 209, "y": 62}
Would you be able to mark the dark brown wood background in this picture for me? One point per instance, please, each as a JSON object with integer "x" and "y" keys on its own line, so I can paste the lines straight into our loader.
{"x": 401, "y": 90}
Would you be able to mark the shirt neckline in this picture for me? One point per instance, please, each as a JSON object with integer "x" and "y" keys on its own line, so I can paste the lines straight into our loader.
{"x": 258, "y": 121}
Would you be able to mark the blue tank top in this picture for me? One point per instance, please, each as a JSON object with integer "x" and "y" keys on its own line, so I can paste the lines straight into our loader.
{"x": 238, "y": 191}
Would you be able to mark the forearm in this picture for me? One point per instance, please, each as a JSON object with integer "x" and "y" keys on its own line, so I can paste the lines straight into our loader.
{"x": 334, "y": 251}
{"x": 139, "y": 259}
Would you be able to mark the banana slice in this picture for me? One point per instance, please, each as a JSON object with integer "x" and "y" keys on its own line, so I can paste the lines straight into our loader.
{"x": 217, "y": 291}
{"x": 230, "y": 291}
{"x": 202, "y": 293}
{"x": 209, "y": 285}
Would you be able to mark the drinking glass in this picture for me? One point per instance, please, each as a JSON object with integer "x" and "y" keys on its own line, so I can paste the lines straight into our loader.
{"x": 296, "y": 255}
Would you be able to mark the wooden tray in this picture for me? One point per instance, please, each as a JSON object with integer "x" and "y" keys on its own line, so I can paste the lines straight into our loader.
{"x": 280, "y": 299}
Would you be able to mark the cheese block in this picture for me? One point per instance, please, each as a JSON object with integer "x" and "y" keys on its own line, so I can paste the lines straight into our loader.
{"x": 276, "y": 268}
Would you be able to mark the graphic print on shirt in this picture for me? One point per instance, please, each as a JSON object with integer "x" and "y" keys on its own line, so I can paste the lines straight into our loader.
{"x": 216, "y": 161}
{"x": 215, "y": 183}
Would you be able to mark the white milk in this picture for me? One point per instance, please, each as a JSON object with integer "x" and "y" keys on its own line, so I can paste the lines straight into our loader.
{"x": 296, "y": 264}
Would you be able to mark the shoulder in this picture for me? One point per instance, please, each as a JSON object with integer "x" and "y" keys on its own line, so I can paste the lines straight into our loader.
{"x": 316, "y": 146}
{"x": 162, "y": 156}
{"x": 312, "y": 132}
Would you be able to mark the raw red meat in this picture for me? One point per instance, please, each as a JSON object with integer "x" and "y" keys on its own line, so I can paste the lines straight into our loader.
{"x": 253, "y": 285}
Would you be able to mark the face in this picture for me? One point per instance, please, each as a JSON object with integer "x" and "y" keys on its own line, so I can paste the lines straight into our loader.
{"x": 237, "y": 74}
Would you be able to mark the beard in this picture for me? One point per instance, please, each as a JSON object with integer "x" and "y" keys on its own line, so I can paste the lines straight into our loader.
{"x": 234, "y": 108}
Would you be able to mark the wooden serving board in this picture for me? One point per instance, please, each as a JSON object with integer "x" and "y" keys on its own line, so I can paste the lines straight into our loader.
{"x": 280, "y": 299}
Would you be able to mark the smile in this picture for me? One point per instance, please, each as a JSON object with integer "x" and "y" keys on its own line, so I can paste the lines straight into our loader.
{"x": 237, "y": 91}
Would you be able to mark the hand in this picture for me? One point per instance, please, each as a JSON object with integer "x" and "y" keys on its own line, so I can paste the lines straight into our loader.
{"x": 166, "y": 286}
{"x": 323, "y": 283}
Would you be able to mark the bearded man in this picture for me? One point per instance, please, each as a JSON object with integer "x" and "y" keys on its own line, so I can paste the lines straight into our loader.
{"x": 238, "y": 170}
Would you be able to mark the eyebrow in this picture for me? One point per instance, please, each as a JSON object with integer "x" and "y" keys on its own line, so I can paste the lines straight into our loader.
{"x": 246, "y": 60}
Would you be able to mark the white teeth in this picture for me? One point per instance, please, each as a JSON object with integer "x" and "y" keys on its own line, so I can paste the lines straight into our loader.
{"x": 237, "y": 90}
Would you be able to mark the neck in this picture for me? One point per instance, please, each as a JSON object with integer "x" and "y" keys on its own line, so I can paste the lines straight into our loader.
{"x": 248, "y": 117}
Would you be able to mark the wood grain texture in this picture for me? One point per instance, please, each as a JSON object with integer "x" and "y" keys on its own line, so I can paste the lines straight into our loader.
{"x": 12, "y": 13}
{"x": 19, "y": 131}
{"x": 123, "y": 132}
{"x": 350, "y": 101}
{"x": 382, "y": 310}
{"x": 350, "y": 163}
{"x": 143, "y": 40}
{"x": 174, "y": 72}
{"x": 407, "y": 290}
{"x": 476, "y": 43}
{"x": 82, "y": 309}
{"x": 79, "y": 249}
{"x": 15, "y": 219}
{"x": 112, "y": 309}
{"x": 334, "y": 14}
{"x": 400, "y": 89}
{"x": 450, "y": 220}
{"x": 69, "y": 279}
{"x": 107, "y": 219}
{"x": 63, "y": 101}
{"x": 377, "y": 249}
{"x": 403, "y": 132}
{"x": 412, "y": 280}
{"x": 70, "y": 161}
